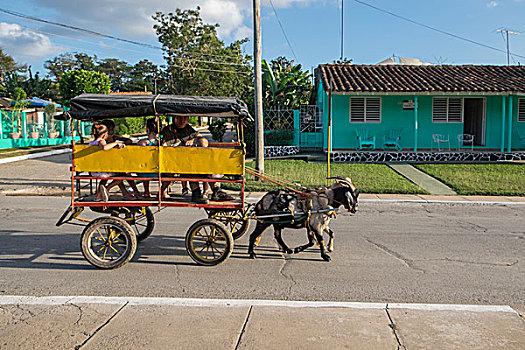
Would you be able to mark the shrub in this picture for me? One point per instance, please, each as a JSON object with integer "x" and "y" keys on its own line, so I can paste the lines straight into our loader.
{"x": 218, "y": 129}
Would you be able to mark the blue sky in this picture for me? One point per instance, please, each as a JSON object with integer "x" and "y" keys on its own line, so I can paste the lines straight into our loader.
{"x": 312, "y": 27}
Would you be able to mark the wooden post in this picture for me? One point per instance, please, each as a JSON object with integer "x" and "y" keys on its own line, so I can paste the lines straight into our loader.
{"x": 329, "y": 141}
{"x": 259, "y": 125}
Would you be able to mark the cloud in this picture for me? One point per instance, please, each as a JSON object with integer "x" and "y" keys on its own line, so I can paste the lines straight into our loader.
{"x": 133, "y": 18}
{"x": 21, "y": 41}
{"x": 492, "y": 4}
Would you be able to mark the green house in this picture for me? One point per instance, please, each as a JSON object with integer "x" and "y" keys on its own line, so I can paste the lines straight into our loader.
{"x": 419, "y": 108}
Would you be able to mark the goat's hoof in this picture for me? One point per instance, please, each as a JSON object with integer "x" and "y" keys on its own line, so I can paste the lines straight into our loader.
{"x": 327, "y": 257}
{"x": 289, "y": 251}
{"x": 253, "y": 256}
{"x": 296, "y": 250}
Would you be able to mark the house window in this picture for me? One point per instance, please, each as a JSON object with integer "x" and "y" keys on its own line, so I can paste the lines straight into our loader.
{"x": 521, "y": 109}
{"x": 447, "y": 110}
{"x": 365, "y": 109}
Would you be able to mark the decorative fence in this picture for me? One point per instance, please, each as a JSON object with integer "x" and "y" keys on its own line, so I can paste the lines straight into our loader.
{"x": 17, "y": 131}
{"x": 278, "y": 119}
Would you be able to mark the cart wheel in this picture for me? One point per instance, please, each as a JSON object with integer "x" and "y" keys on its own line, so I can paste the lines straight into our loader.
{"x": 108, "y": 242}
{"x": 209, "y": 242}
{"x": 233, "y": 220}
{"x": 142, "y": 221}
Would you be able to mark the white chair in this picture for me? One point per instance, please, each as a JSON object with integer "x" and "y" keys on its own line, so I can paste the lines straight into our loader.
{"x": 466, "y": 140}
{"x": 440, "y": 139}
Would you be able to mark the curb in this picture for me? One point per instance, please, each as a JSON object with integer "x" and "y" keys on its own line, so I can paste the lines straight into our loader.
{"x": 198, "y": 302}
{"x": 33, "y": 156}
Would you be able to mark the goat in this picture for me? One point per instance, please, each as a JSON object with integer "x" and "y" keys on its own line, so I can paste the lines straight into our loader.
{"x": 342, "y": 192}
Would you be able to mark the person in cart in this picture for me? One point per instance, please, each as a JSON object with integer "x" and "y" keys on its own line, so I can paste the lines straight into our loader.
{"x": 180, "y": 133}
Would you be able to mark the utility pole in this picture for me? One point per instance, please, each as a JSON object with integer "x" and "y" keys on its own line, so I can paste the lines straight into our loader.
{"x": 259, "y": 125}
{"x": 508, "y": 44}
{"x": 342, "y": 29}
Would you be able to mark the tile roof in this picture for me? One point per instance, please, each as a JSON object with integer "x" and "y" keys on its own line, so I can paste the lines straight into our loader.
{"x": 414, "y": 79}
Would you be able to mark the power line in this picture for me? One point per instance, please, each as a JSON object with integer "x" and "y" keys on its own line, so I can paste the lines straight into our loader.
{"x": 432, "y": 28}
{"x": 282, "y": 29}
{"x": 112, "y": 37}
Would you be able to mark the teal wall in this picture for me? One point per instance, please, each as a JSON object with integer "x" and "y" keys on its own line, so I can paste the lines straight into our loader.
{"x": 393, "y": 115}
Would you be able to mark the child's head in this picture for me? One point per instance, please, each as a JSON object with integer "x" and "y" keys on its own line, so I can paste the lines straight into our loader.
{"x": 110, "y": 125}
{"x": 99, "y": 131}
{"x": 151, "y": 126}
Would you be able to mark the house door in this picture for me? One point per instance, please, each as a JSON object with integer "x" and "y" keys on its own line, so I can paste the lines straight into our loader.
{"x": 474, "y": 119}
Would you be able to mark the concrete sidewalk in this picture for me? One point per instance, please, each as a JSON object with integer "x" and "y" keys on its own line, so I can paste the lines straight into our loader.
{"x": 170, "y": 323}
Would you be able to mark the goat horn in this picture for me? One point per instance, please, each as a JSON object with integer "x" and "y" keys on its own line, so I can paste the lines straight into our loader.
{"x": 341, "y": 179}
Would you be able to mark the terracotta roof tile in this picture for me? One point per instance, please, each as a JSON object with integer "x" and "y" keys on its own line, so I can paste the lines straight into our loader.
{"x": 413, "y": 79}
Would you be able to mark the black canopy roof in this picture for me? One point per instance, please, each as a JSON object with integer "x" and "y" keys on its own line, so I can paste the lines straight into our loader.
{"x": 99, "y": 107}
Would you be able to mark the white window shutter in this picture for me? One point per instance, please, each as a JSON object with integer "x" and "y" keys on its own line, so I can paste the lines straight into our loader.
{"x": 521, "y": 110}
{"x": 439, "y": 109}
{"x": 455, "y": 109}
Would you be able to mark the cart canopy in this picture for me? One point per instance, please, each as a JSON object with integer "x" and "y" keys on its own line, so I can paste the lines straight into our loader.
{"x": 98, "y": 107}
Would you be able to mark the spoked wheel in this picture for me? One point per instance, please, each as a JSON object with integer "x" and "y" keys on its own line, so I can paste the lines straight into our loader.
{"x": 233, "y": 219}
{"x": 209, "y": 242}
{"x": 108, "y": 242}
{"x": 141, "y": 220}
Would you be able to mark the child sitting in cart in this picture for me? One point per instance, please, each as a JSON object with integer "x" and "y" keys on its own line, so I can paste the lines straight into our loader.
{"x": 152, "y": 140}
{"x": 112, "y": 137}
{"x": 100, "y": 132}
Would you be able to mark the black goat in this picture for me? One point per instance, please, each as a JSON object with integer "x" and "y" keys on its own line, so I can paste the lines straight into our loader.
{"x": 342, "y": 192}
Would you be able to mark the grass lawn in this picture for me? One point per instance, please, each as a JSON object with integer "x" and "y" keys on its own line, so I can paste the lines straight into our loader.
{"x": 369, "y": 178}
{"x": 480, "y": 179}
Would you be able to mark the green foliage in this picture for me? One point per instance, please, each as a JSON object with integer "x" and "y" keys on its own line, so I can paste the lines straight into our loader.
{"x": 198, "y": 63}
{"x": 279, "y": 138}
{"x": 285, "y": 85}
{"x": 130, "y": 126}
{"x": 118, "y": 72}
{"x": 49, "y": 113}
{"x": 68, "y": 61}
{"x": 218, "y": 129}
{"x": 8, "y": 69}
{"x": 74, "y": 83}
{"x": 249, "y": 139}
{"x": 480, "y": 179}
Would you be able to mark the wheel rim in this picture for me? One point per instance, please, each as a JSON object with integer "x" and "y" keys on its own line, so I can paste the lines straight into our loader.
{"x": 208, "y": 243}
{"x": 137, "y": 221}
{"x": 233, "y": 220}
{"x": 108, "y": 243}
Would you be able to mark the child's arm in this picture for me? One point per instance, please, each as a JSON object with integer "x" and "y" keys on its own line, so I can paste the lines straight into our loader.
{"x": 107, "y": 146}
{"x": 123, "y": 139}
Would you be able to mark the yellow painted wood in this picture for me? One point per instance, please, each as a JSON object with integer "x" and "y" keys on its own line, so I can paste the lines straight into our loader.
{"x": 180, "y": 160}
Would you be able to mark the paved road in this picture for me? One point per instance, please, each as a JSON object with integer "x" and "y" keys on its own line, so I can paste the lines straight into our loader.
{"x": 408, "y": 253}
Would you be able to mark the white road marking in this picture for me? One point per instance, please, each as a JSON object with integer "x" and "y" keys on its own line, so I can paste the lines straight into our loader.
{"x": 34, "y": 155}
{"x": 193, "y": 302}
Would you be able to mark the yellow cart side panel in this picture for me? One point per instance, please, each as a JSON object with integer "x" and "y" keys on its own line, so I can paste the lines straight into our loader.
{"x": 180, "y": 160}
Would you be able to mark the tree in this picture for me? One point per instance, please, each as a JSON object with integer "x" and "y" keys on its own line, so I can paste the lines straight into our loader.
{"x": 9, "y": 77}
{"x": 118, "y": 72}
{"x": 76, "y": 82}
{"x": 143, "y": 76}
{"x": 198, "y": 63}
{"x": 9, "y": 66}
{"x": 70, "y": 61}
{"x": 36, "y": 86}
{"x": 285, "y": 85}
